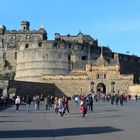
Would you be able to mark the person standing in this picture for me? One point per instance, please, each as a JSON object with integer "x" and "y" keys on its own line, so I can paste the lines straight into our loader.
{"x": 121, "y": 99}
{"x": 37, "y": 102}
{"x": 136, "y": 97}
{"x": 28, "y": 103}
{"x": 56, "y": 105}
{"x": 46, "y": 103}
{"x": 116, "y": 99}
{"x": 17, "y": 103}
{"x": 90, "y": 103}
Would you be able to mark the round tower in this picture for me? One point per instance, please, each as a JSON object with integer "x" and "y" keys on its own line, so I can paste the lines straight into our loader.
{"x": 25, "y": 25}
{"x": 33, "y": 63}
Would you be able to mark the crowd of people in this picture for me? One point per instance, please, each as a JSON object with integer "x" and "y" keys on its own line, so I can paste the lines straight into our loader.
{"x": 60, "y": 105}
{"x": 28, "y": 100}
{"x": 86, "y": 101}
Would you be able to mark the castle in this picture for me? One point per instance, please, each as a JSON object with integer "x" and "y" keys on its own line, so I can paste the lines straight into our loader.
{"x": 75, "y": 64}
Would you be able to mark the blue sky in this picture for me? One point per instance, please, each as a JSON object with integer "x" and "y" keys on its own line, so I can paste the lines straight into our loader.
{"x": 115, "y": 23}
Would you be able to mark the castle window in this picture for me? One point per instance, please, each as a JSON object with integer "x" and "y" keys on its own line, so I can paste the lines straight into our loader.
{"x": 28, "y": 37}
{"x": 13, "y": 37}
{"x": 26, "y": 46}
{"x": 113, "y": 87}
{"x": 84, "y": 58}
{"x": 55, "y": 44}
{"x": 101, "y": 76}
{"x": 104, "y": 76}
{"x": 15, "y": 55}
{"x": 97, "y": 76}
{"x": 92, "y": 87}
{"x": 40, "y": 44}
{"x": 4, "y": 55}
{"x": 69, "y": 58}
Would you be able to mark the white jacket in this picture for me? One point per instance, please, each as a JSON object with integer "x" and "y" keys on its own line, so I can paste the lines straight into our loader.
{"x": 17, "y": 101}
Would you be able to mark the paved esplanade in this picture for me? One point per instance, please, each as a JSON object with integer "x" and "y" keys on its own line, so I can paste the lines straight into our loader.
{"x": 105, "y": 123}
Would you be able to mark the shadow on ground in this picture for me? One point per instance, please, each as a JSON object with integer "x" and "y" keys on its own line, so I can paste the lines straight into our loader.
{"x": 13, "y": 121}
{"x": 57, "y": 132}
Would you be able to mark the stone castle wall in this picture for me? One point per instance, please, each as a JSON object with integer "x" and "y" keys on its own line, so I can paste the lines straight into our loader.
{"x": 31, "y": 56}
{"x": 134, "y": 89}
{"x": 33, "y": 63}
{"x": 70, "y": 85}
{"x": 23, "y": 88}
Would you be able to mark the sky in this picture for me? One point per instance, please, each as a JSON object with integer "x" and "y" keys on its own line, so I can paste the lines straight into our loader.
{"x": 114, "y": 23}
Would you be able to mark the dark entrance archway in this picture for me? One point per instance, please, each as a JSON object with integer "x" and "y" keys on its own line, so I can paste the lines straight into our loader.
{"x": 101, "y": 88}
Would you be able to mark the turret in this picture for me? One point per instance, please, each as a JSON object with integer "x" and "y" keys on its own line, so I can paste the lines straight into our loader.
{"x": 2, "y": 29}
{"x": 25, "y": 25}
{"x": 116, "y": 57}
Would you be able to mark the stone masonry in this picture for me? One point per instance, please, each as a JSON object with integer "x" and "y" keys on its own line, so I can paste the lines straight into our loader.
{"x": 74, "y": 63}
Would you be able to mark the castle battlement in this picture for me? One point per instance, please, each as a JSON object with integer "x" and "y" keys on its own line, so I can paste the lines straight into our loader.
{"x": 29, "y": 56}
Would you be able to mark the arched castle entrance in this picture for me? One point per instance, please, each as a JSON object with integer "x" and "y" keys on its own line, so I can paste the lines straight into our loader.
{"x": 101, "y": 88}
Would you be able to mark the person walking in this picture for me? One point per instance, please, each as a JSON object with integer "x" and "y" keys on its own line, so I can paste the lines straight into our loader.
{"x": 83, "y": 107}
{"x": 56, "y": 105}
{"x": 28, "y": 103}
{"x": 67, "y": 105}
{"x": 61, "y": 107}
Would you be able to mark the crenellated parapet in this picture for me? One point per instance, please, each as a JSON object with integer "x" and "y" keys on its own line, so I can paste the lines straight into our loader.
{"x": 62, "y": 77}
{"x": 72, "y": 62}
{"x": 79, "y": 38}
{"x": 32, "y": 63}
{"x": 90, "y": 68}
{"x": 126, "y": 77}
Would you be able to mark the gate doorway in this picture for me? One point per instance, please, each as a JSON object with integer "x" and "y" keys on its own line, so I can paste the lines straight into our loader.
{"x": 101, "y": 88}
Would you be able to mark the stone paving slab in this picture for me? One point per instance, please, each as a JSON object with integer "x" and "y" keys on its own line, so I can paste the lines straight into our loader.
{"x": 105, "y": 123}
